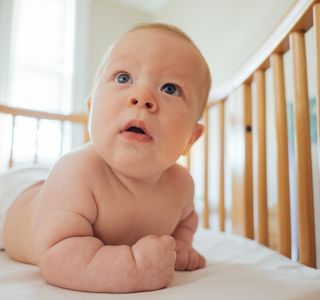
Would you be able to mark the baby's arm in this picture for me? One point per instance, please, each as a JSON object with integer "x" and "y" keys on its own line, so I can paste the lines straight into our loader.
{"x": 69, "y": 255}
{"x": 187, "y": 257}
{"x": 81, "y": 262}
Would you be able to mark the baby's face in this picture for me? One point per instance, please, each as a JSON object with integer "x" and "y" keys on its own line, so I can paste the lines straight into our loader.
{"x": 146, "y": 102}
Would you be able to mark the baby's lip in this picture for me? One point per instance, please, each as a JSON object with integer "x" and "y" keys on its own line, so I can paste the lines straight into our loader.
{"x": 137, "y": 126}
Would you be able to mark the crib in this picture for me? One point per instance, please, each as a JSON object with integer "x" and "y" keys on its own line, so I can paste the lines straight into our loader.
{"x": 249, "y": 126}
{"x": 239, "y": 264}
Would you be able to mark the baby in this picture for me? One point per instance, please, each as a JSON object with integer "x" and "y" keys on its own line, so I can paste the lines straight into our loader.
{"x": 117, "y": 214}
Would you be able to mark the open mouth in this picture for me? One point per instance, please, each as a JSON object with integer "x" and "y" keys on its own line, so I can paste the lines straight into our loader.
{"x": 135, "y": 130}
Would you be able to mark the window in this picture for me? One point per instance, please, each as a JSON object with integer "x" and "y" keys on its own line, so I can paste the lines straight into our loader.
{"x": 37, "y": 73}
{"x": 40, "y": 70}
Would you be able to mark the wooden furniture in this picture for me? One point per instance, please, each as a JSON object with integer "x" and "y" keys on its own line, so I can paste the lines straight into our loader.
{"x": 234, "y": 100}
{"x": 41, "y": 115}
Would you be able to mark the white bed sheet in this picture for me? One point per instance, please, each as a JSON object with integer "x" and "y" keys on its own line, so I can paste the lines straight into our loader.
{"x": 237, "y": 268}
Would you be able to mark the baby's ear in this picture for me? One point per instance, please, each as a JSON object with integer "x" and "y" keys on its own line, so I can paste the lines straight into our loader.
{"x": 197, "y": 132}
{"x": 89, "y": 104}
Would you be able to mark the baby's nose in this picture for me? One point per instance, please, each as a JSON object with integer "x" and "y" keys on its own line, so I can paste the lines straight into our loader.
{"x": 143, "y": 101}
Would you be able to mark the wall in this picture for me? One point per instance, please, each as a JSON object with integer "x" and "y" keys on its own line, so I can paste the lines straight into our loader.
{"x": 6, "y": 8}
{"x": 227, "y": 32}
{"x": 109, "y": 20}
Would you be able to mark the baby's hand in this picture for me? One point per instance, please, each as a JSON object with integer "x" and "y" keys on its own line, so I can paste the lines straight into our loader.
{"x": 188, "y": 259}
{"x": 155, "y": 259}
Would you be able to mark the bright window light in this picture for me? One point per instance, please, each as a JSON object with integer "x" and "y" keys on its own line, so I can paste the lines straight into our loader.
{"x": 41, "y": 73}
{"x": 42, "y": 54}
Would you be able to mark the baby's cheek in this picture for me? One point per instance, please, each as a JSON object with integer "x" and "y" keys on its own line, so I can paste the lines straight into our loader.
{"x": 178, "y": 142}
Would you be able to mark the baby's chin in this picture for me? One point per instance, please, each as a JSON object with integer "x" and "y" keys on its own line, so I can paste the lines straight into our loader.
{"x": 135, "y": 162}
{"x": 140, "y": 169}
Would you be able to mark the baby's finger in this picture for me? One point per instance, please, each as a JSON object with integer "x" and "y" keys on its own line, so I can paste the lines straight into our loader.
{"x": 169, "y": 241}
{"x": 202, "y": 262}
{"x": 182, "y": 261}
{"x": 151, "y": 236}
{"x": 173, "y": 259}
{"x": 175, "y": 256}
{"x": 194, "y": 260}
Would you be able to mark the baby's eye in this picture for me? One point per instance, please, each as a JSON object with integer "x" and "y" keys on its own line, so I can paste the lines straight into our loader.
{"x": 122, "y": 78}
{"x": 171, "y": 89}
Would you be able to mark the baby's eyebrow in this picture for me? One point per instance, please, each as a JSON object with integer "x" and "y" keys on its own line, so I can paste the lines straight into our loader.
{"x": 181, "y": 78}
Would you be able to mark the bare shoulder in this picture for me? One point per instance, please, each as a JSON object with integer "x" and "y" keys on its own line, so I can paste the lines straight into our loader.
{"x": 83, "y": 159}
{"x": 69, "y": 184}
{"x": 183, "y": 184}
{"x": 182, "y": 178}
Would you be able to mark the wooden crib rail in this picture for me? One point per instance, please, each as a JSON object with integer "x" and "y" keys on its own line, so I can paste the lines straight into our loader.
{"x": 260, "y": 142}
{"x": 37, "y": 114}
{"x": 41, "y": 115}
{"x": 282, "y": 155}
{"x": 250, "y": 127}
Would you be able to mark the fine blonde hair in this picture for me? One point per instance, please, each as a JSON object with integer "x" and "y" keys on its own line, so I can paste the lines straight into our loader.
{"x": 204, "y": 94}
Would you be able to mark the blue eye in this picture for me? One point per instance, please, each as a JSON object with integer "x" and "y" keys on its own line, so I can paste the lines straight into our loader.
{"x": 171, "y": 89}
{"x": 122, "y": 78}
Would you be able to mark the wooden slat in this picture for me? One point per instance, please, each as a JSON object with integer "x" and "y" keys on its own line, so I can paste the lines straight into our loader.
{"x": 303, "y": 152}
{"x": 248, "y": 188}
{"x": 35, "y": 159}
{"x": 284, "y": 223}
{"x": 261, "y": 167}
{"x": 13, "y": 126}
{"x": 62, "y": 137}
{"x": 316, "y": 21}
{"x": 222, "y": 213}
{"x": 188, "y": 161}
{"x": 236, "y": 158}
{"x": 206, "y": 206}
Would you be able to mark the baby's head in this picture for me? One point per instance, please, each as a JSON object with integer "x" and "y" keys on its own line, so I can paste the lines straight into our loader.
{"x": 149, "y": 93}
{"x": 204, "y": 89}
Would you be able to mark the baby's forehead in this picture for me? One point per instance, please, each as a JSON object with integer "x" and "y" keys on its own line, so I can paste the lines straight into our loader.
{"x": 150, "y": 38}
{"x": 147, "y": 33}
{"x": 155, "y": 47}
{"x": 162, "y": 43}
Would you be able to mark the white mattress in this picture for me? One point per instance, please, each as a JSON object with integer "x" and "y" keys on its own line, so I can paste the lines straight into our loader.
{"x": 237, "y": 268}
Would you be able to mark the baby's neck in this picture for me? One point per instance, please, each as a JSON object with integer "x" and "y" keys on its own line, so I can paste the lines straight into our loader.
{"x": 138, "y": 185}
